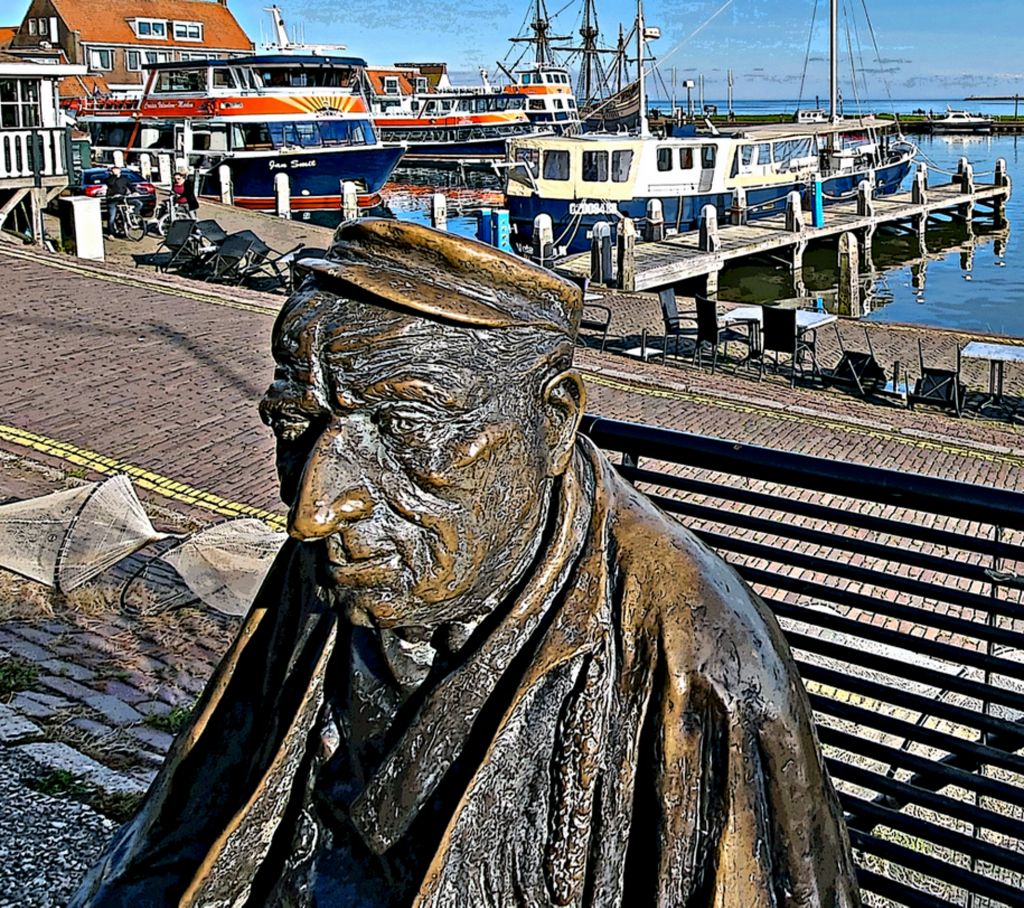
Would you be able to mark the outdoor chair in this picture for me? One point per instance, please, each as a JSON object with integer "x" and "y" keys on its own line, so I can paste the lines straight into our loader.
{"x": 712, "y": 333}
{"x": 674, "y": 322}
{"x": 595, "y": 316}
{"x": 941, "y": 387}
{"x": 857, "y": 370}
{"x": 177, "y": 250}
{"x": 780, "y": 334}
{"x": 297, "y": 262}
{"x": 243, "y": 255}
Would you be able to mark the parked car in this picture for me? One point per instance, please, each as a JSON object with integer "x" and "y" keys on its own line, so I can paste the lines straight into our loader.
{"x": 93, "y": 182}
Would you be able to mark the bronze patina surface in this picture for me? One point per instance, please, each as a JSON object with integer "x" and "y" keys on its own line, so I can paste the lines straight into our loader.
{"x": 484, "y": 671}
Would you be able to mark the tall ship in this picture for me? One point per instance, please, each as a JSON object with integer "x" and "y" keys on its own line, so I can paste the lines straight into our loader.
{"x": 442, "y": 125}
{"x": 298, "y": 114}
{"x": 580, "y": 180}
{"x": 544, "y": 83}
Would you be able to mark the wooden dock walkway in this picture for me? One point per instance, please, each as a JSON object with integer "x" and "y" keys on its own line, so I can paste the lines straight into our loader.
{"x": 703, "y": 253}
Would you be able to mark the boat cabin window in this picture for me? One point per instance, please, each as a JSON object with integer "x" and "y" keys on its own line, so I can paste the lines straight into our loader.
{"x": 527, "y": 79}
{"x": 556, "y": 165}
{"x": 110, "y": 135}
{"x": 181, "y": 80}
{"x": 707, "y": 156}
{"x": 558, "y": 104}
{"x": 664, "y": 157}
{"x": 421, "y": 83}
{"x": 391, "y": 85}
{"x": 224, "y": 78}
{"x": 530, "y": 157}
{"x": 155, "y": 136}
{"x": 595, "y": 167}
{"x": 536, "y": 105}
{"x": 686, "y": 159}
{"x": 303, "y": 134}
{"x": 210, "y": 138}
{"x": 764, "y": 153}
{"x": 794, "y": 152}
{"x": 746, "y": 155}
{"x": 250, "y": 136}
{"x": 621, "y": 161}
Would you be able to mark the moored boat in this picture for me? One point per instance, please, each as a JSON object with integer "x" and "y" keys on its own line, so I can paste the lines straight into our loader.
{"x": 960, "y": 121}
{"x": 260, "y": 116}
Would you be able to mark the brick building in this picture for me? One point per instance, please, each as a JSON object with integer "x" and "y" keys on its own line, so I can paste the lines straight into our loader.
{"x": 115, "y": 38}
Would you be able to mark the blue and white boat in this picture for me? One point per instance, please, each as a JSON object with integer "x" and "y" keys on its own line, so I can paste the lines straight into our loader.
{"x": 580, "y": 180}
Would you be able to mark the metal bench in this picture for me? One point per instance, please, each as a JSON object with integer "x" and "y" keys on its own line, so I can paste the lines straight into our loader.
{"x": 901, "y": 598}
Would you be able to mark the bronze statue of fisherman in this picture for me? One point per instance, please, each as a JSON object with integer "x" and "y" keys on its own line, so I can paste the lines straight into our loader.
{"x": 484, "y": 671}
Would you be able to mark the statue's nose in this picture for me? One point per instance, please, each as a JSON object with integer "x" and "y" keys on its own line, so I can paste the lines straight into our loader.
{"x": 332, "y": 491}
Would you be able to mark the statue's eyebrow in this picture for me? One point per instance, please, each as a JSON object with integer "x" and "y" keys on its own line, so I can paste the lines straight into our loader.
{"x": 419, "y": 390}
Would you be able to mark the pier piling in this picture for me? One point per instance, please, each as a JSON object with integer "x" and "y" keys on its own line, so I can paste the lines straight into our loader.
{"x": 282, "y": 195}
{"x": 795, "y": 213}
{"x": 227, "y": 189}
{"x": 543, "y": 238}
{"x": 439, "y": 211}
{"x": 738, "y": 212}
{"x": 709, "y": 239}
{"x": 849, "y": 276}
{"x": 349, "y": 200}
{"x": 627, "y": 254}
{"x": 654, "y": 231}
{"x": 601, "y": 253}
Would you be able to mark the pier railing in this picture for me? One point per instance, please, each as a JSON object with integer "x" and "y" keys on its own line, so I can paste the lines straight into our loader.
{"x": 29, "y": 153}
{"x": 901, "y": 598}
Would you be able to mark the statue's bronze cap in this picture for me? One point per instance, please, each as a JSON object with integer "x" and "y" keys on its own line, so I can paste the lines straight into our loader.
{"x": 397, "y": 264}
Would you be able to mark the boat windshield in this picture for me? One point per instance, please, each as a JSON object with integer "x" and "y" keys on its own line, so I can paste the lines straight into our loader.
{"x": 301, "y": 134}
{"x": 302, "y": 77}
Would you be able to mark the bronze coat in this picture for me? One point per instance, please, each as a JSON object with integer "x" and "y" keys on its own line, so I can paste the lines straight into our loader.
{"x": 637, "y": 733}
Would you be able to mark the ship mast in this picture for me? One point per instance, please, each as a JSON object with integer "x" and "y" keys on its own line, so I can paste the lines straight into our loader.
{"x": 833, "y": 86}
{"x": 541, "y": 37}
{"x": 641, "y": 81}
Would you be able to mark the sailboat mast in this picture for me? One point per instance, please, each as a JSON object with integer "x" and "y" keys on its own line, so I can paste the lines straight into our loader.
{"x": 833, "y": 85}
{"x": 641, "y": 82}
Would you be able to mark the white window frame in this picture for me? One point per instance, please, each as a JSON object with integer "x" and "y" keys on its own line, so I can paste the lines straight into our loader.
{"x": 33, "y": 26}
{"x": 152, "y": 36}
{"x": 392, "y": 86}
{"x": 157, "y": 56}
{"x": 137, "y": 55}
{"x": 44, "y": 27}
{"x": 185, "y": 27}
{"x": 96, "y": 67}
{"x": 421, "y": 84}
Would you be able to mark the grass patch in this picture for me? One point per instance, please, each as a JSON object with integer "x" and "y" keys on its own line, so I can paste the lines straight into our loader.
{"x": 118, "y": 806}
{"x": 172, "y": 722}
{"x": 16, "y": 674}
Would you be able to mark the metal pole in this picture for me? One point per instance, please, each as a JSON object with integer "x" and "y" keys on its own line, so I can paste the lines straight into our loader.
{"x": 644, "y": 131}
{"x": 833, "y": 86}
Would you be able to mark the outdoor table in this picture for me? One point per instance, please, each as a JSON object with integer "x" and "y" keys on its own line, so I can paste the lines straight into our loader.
{"x": 806, "y": 320}
{"x": 998, "y": 355}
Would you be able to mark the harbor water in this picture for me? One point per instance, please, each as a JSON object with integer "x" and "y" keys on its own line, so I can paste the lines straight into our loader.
{"x": 971, "y": 278}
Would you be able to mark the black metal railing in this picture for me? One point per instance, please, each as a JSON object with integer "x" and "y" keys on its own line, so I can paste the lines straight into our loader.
{"x": 900, "y": 595}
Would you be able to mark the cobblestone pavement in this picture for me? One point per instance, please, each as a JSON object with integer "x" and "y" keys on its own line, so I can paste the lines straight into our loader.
{"x": 109, "y": 369}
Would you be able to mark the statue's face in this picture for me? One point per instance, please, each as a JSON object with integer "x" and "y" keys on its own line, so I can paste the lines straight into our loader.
{"x": 420, "y": 472}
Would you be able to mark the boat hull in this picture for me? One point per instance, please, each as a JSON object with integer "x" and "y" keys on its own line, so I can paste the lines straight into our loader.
{"x": 315, "y": 176}
{"x": 573, "y": 220}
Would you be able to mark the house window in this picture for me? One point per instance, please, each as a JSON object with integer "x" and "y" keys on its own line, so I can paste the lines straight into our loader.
{"x": 132, "y": 61}
{"x": 32, "y": 26}
{"x": 44, "y": 27}
{"x": 19, "y": 103}
{"x": 101, "y": 59}
{"x": 390, "y": 85}
{"x": 158, "y": 56}
{"x": 188, "y": 31}
{"x": 151, "y": 28}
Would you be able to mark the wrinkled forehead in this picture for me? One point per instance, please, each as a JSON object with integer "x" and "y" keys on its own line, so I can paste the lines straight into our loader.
{"x": 332, "y": 343}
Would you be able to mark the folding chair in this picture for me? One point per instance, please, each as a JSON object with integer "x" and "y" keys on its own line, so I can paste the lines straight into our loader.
{"x": 857, "y": 370}
{"x": 941, "y": 387}
{"x": 230, "y": 262}
{"x": 176, "y": 250}
{"x": 674, "y": 322}
{"x": 780, "y": 333}
{"x": 711, "y": 332}
{"x": 595, "y": 316}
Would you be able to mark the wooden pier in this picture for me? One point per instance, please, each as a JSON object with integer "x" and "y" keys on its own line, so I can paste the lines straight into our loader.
{"x": 701, "y": 254}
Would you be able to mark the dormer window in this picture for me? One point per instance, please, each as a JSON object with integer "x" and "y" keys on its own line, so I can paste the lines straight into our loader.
{"x": 151, "y": 28}
{"x": 421, "y": 83}
{"x": 391, "y": 85}
{"x": 188, "y": 31}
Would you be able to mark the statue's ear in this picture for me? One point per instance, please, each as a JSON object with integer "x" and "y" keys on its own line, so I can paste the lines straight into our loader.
{"x": 564, "y": 401}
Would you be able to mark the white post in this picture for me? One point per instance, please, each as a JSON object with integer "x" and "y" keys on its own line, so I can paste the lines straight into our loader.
{"x": 163, "y": 163}
{"x": 794, "y": 213}
{"x": 146, "y": 166}
{"x": 708, "y": 240}
{"x": 655, "y": 231}
{"x": 283, "y": 195}
{"x": 865, "y": 200}
{"x": 227, "y": 189}
{"x": 439, "y": 211}
{"x": 919, "y": 191}
{"x": 118, "y": 158}
{"x": 543, "y": 237}
{"x": 349, "y": 201}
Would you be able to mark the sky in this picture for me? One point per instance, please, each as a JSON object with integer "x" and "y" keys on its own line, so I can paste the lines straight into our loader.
{"x": 925, "y": 47}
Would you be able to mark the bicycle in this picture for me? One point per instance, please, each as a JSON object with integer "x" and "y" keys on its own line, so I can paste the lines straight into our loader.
{"x": 168, "y": 213}
{"x": 125, "y": 219}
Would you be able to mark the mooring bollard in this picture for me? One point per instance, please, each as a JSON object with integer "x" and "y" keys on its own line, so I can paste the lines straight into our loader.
{"x": 1002, "y": 176}
{"x": 865, "y": 200}
{"x": 601, "y": 253}
{"x": 708, "y": 239}
{"x": 627, "y": 254}
{"x": 163, "y": 164}
{"x": 654, "y": 230}
{"x": 439, "y": 211}
{"x": 543, "y": 238}
{"x": 146, "y": 166}
{"x": 919, "y": 191}
{"x": 282, "y": 195}
{"x": 794, "y": 213}
{"x": 817, "y": 203}
{"x": 227, "y": 189}
{"x": 738, "y": 211}
{"x": 502, "y": 229}
{"x": 119, "y": 158}
{"x": 349, "y": 200}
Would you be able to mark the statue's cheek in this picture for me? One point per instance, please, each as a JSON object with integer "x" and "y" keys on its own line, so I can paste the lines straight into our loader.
{"x": 469, "y": 463}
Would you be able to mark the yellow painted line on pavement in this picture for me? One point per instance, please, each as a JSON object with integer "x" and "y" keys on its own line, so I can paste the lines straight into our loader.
{"x": 820, "y": 422}
{"x": 143, "y": 478}
{"x": 114, "y": 277}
